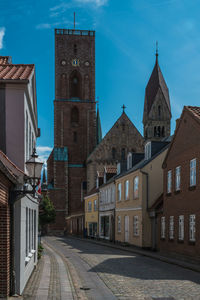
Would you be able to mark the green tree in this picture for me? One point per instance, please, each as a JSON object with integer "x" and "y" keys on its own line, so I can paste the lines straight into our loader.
{"x": 47, "y": 213}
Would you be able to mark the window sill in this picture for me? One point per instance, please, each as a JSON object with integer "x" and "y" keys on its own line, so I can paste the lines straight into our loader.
{"x": 168, "y": 194}
{"x": 191, "y": 243}
{"x": 177, "y": 192}
{"x": 180, "y": 241}
{"x": 192, "y": 188}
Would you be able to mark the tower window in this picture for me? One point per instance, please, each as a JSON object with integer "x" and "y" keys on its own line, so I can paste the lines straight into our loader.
{"x": 123, "y": 154}
{"x": 75, "y": 85}
{"x": 158, "y": 133}
{"x": 74, "y": 115}
{"x": 155, "y": 131}
{"x": 159, "y": 111}
{"x": 75, "y": 136}
{"x": 75, "y": 49}
{"x": 113, "y": 153}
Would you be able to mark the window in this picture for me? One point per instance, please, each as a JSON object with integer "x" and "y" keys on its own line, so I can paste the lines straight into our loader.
{"x": 118, "y": 168}
{"x": 148, "y": 150}
{"x": 89, "y": 206}
{"x": 119, "y": 191}
{"x": 74, "y": 115}
{"x": 181, "y": 228}
{"x": 136, "y": 187}
{"x": 171, "y": 227}
{"x": 75, "y": 85}
{"x": 113, "y": 153}
{"x": 129, "y": 160}
{"x": 126, "y": 186}
{"x": 169, "y": 181}
{"x": 123, "y": 154}
{"x": 75, "y": 136}
{"x": 135, "y": 225}
{"x": 163, "y": 131}
{"x": 192, "y": 228}
{"x": 95, "y": 205}
{"x": 163, "y": 227}
{"x": 159, "y": 111}
{"x": 193, "y": 172}
{"x": 178, "y": 178}
{"x": 118, "y": 223}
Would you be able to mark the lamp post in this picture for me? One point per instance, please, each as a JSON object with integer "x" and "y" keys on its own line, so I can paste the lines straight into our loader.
{"x": 34, "y": 168}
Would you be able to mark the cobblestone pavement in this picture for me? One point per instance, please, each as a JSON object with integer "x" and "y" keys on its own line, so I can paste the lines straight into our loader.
{"x": 131, "y": 276}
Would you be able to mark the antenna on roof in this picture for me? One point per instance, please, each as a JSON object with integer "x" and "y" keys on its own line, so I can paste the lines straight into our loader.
{"x": 74, "y": 20}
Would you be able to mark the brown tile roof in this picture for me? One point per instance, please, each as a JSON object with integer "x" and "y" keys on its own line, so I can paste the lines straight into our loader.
{"x": 111, "y": 170}
{"x": 5, "y": 60}
{"x": 195, "y": 110}
{"x": 11, "y": 168}
{"x": 156, "y": 81}
{"x": 15, "y": 72}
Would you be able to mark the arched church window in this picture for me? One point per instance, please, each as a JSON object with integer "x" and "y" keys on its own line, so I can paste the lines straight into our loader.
{"x": 75, "y": 136}
{"x": 123, "y": 154}
{"x": 158, "y": 133}
{"x": 159, "y": 111}
{"x": 163, "y": 131}
{"x": 74, "y": 115}
{"x": 155, "y": 131}
{"x": 75, "y": 85}
{"x": 113, "y": 153}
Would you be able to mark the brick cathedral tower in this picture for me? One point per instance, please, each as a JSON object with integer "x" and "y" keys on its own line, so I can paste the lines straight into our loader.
{"x": 74, "y": 126}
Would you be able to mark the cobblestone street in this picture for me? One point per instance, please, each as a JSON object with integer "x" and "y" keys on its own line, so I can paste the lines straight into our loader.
{"x": 127, "y": 275}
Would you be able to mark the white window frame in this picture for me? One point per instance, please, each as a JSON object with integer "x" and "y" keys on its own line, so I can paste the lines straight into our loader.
{"x": 193, "y": 164}
{"x": 178, "y": 178}
{"x": 171, "y": 227}
{"x": 136, "y": 226}
{"x": 192, "y": 228}
{"x": 169, "y": 181}
{"x": 118, "y": 223}
{"x": 129, "y": 161}
{"x": 181, "y": 228}
{"x": 119, "y": 191}
{"x": 126, "y": 188}
{"x": 89, "y": 206}
{"x": 163, "y": 227}
{"x": 136, "y": 187}
{"x": 147, "y": 151}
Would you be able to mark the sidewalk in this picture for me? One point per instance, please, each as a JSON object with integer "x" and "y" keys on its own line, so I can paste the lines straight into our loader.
{"x": 179, "y": 261}
{"x": 51, "y": 279}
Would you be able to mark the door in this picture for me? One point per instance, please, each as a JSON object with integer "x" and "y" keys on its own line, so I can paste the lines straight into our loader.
{"x": 126, "y": 228}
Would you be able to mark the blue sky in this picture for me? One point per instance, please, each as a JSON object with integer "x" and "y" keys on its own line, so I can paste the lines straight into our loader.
{"x": 126, "y": 34}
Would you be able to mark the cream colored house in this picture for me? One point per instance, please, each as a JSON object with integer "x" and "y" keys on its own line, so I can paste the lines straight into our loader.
{"x": 91, "y": 213}
{"x": 137, "y": 189}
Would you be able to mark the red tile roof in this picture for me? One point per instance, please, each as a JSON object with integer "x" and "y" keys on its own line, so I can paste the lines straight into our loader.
{"x": 5, "y": 60}
{"x": 195, "y": 110}
{"x": 111, "y": 170}
{"x": 15, "y": 72}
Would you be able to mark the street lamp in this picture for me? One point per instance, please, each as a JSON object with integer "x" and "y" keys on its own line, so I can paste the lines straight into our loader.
{"x": 34, "y": 168}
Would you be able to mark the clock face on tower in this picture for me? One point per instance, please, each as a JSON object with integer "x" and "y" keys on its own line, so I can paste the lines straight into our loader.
{"x": 63, "y": 62}
{"x": 75, "y": 62}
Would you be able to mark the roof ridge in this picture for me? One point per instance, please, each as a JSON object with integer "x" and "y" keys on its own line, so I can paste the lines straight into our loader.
{"x": 15, "y": 166}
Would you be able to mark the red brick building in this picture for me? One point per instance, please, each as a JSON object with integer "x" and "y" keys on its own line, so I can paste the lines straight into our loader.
{"x": 179, "y": 224}
{"x": 74, "y": 126}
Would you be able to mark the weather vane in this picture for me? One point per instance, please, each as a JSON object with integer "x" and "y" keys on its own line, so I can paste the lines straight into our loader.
{"x": 156, "y": 48}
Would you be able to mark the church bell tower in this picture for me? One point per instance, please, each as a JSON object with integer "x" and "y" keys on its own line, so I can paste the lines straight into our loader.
{"x": 74, "y": 125}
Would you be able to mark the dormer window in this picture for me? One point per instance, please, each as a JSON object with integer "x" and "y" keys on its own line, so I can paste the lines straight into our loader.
{"x": 118, "y": 168}
{"x": 148, "y": 150}
{"x": 129, "y": 160}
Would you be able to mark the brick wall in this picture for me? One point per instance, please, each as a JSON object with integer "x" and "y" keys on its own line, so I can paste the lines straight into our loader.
{"x": 4, "y": 237}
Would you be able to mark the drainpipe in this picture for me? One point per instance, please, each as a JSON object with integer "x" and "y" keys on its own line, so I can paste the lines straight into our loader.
{"x": 147, "y": 186}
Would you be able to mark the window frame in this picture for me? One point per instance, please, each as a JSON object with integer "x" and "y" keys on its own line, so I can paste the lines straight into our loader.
{"x": 126, "y": 189}
{"x": 89, "y": 206}
{"x": 136, "y": 184}
{"x": 181, "y": 228}
{"x": 193, "y": 170}
{"x": 192, "y": 225}
{"x": 136, "y": 225}
{"x": 163, "y": 227}
{"x": 169, "y": 181}
{"x": 171, "y": 227}
{"x": 119, "y": 191}
{"x": 119, "y": 224}
{"x": 178, "y": 178}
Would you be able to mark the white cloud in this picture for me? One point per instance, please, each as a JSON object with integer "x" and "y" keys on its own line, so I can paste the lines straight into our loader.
{"x": 44, "y": 152}
{"x": 97, "y": 3}
{"x": 2, "y": 33}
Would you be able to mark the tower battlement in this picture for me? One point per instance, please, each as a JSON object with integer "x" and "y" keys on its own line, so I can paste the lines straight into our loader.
{"x": 74, "y": 32}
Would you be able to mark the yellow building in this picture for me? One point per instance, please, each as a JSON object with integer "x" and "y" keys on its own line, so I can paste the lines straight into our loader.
{"x": 137, "y": 189}
{"x": 91, "y": 213}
